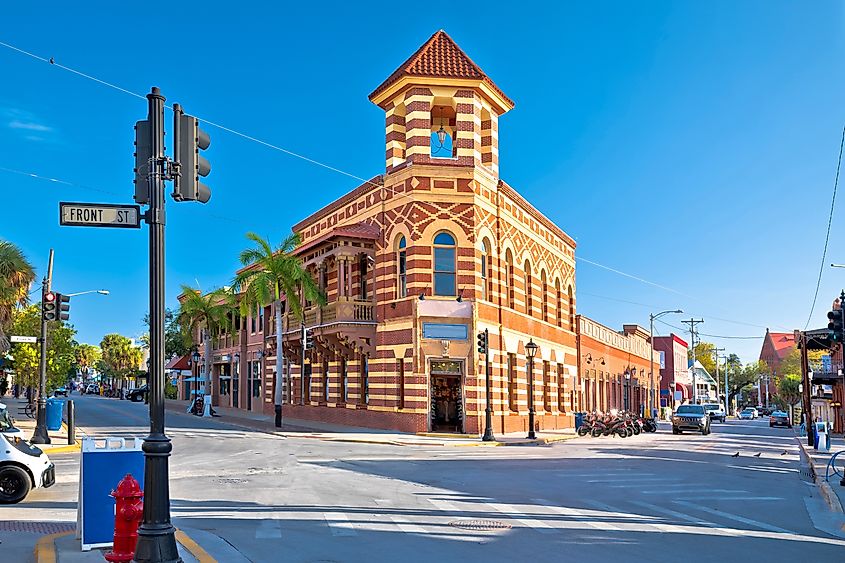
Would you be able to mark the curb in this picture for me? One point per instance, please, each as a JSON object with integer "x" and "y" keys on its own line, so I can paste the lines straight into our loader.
{"x": 827, "y": 493}
{"x": 45, "y": 549}
{"x": 194, "y": 548}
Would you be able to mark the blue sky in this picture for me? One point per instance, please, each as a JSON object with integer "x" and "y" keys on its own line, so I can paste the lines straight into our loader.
{"x": 690, "y": 144}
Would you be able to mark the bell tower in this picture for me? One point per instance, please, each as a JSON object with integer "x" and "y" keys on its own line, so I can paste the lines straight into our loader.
{"x": 441, "y": 108}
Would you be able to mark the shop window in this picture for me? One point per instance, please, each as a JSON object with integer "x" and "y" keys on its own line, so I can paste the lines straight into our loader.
{"x": 561, "y": 396}
{"x": 401, "y": 269}
{"x": 326, "y": 379}
{"x": 260, "y": 319}
{"x": 512, "y": 402}
{"x": 362, "y": 273}
{"x": 344, "y": 380}
{"x": 400, "y": 375}
{"x": 547, "y": 387}
{"x": 365, "y": 380}
{"x": 445, "y": 265}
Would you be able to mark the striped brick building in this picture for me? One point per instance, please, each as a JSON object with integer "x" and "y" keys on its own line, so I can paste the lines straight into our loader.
{"x": 415, "y": 263}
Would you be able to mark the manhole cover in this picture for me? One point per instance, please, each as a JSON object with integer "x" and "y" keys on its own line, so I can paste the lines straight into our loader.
{"x": 232, "y": 481}
{"x": 480, "y": 525}
{"x": 36, "y": 527}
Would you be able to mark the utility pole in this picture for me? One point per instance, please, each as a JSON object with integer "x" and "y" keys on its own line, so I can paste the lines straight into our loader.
{"x": 727, "y": 404}
{"x": 40, "y": 436}
{"x": 717, "y": 350}
{"x": 692, "y": 322}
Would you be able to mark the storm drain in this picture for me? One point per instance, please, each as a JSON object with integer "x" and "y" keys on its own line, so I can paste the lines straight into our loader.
{"x": 36, "y": 527}
{"x": 232, "y": 481}
{"x": 481, "y": 525}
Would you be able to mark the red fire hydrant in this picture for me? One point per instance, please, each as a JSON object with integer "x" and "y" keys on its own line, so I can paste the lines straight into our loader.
{"x": 129, "y": 508}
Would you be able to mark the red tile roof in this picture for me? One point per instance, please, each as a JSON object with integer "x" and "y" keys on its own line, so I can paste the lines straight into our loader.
{"x": 179, "y": 363}
{"x": 439, "y": 57}
{"x": 361, "y": 231}
{"x": 783, "y": 343}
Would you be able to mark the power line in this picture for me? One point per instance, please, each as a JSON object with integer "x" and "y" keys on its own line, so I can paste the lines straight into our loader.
{"x": 732, "y": 337}
{"x": 827, "y": 235}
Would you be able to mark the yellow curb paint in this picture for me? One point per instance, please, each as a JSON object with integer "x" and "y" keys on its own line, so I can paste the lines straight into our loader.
{"x": 62, "y": 449}
{"x": 45, "y": 549}
{"x": 194, "y": 548}
{"x": 446, "y": 435}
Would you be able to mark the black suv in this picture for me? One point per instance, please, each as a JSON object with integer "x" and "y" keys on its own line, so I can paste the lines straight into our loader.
{"x": 138, "y": 394}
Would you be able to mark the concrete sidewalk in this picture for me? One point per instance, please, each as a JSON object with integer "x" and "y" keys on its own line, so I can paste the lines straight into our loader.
{"x": 195, "y": 546}
{"x": 832, "y": 491}
{"x": 58, "y": 438}
{"x": 297, "y": 428}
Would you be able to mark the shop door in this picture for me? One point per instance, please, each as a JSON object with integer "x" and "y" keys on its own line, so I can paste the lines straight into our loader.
{"x": 447, "y": 412}
{"x": 236, "y": 383}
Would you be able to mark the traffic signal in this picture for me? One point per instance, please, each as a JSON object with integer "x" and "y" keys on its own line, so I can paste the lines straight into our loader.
{"x": 48, "y": 307}
{"x": 309, "y": 338}
{"x": 482, "y": 342}
{"x": 143, "y": 153}
{"x": 189, "y": 140}
{"x": 836, "y": 326}
{"x": 63, "y": 302}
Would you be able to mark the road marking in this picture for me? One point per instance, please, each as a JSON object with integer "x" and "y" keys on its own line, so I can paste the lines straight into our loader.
{"x": 406, "y": 526}
{"x": 339, "y": 524}
{"x": 580, "y": 517}
{"x": 619, "y": 513}
{"x": 268, "y": 529}
{"x": 678, "y": 491}
{"x": 734, "y": 517}
{"x": 731, "y": 497}
{"x": 627, "y": 479}
{"x": 681, "y": 516}
{"x": 514, "y": 514}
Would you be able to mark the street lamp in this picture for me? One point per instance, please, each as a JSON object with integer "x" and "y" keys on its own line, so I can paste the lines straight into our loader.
{"x": 626, "y": 406}
{"x": 651, "y": 318}
{"x": 100, "y": 291}
{"x": 195, "y": 387}
{"x": 531, "y": 351}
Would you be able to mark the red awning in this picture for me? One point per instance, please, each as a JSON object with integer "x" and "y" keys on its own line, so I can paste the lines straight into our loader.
{"x": 686, "y": 390}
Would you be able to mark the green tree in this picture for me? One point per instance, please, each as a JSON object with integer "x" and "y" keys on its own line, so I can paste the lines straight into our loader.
{"x": 742, "y": 378}
{"x": 705, "y": 353}
{"x": 788, "y": 390}
{"x": 16, "y": 276}
{"x": 177, "y": 340}
{"x": 119, "y": 358}
{"x": 270, "y": 275}
{"x": 204, "y": 314}
{"x": 61, "y": 348}
{"x": 87, "y": 356}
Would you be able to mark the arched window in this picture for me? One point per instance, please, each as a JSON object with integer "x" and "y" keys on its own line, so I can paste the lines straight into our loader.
{"x": 544, "y": 287}
{"x": 485, "y": 270}
{"x": 571, "y": 309}
{"x": 401, "y": 269}
{"x": 559, "y": 303}
{"x": 529, "y": 301}
{"x": 445, "y": 265}
{"x": 509, "y": 277}
{"x": 442, "y": 145}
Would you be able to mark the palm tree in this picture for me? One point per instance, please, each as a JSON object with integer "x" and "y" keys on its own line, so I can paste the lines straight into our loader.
{"x": 16, "y": 275}
{"x": 198, "y": 311}
{"x": 268, "y": 276}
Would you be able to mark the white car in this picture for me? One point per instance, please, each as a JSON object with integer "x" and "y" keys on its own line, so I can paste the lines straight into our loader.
{"x": 748, "y": 414}
{"x": 23, "y": 467}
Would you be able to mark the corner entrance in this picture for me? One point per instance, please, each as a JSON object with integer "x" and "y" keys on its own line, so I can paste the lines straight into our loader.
{"x": 447, "y": 406}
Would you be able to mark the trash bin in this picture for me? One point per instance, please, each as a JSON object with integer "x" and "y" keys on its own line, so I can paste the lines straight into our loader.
{"x": 579, "y": 419}
{"x": 54, "y": 413}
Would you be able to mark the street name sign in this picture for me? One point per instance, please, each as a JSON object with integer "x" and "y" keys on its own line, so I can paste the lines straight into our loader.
{"x": 24, "y": 339}
{"x": 99, "y": 215}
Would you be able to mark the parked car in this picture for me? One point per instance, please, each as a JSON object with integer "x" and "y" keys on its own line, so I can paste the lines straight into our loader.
{"x": 138, "y": 394}
{"x": 715, "y": 411}
{"x": 60, "y": 391}
{"x": 748, "y": 413}
{"x": 92, "y": 389}
{"x": 691, "y": 417}
{"x": 780, "y": 418}
{"x": 7, "y": 423}
{"x": 23, "y": 467}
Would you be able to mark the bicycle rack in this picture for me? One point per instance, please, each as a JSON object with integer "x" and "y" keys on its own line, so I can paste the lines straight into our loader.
{"x": 831, "y": 464}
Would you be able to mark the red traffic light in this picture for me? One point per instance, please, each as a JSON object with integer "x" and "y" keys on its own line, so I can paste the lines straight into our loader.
{"x": 50, "y": 297}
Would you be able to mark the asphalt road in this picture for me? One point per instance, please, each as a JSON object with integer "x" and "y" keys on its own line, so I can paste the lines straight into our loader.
{"x": 653, "y": 497}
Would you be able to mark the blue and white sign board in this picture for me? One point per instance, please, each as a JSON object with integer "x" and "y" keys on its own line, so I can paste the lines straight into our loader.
{"x": 105, "y": 461}
{"x": 443, "y": 331}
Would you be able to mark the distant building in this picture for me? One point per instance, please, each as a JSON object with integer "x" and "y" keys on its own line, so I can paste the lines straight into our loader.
{"x": 675, "y": 380}
{"x": 614, "y": 367}
{"x": 706, "y": 386}
{"x": 776, "y": 347}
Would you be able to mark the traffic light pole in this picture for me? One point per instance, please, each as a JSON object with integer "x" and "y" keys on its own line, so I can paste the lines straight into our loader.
{"x": 488, "y": 411}
{"x": 156, "y": 535}
{"x": 40, "y": 436}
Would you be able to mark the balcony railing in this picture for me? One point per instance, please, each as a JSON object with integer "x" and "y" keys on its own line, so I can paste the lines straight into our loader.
{"x": 341, "y": 311}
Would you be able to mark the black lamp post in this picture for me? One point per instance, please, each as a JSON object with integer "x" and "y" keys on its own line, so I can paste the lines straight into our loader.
{"x": 627, "y": 405}
{"x": 195, "y": 387}
{"x": 531, "y": 351}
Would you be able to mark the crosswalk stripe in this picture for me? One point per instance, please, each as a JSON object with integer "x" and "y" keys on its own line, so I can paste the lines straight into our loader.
{"x": 518, "y": 516}
{"x": 734, "y": 517}
{"x": 582, "y": 518}
{"x": 407, "y": 526}
{"x": 680, "y": 515}
{"x": 339, "y": 524}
